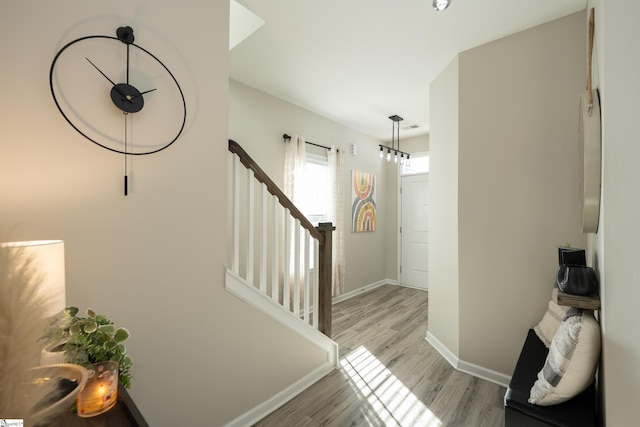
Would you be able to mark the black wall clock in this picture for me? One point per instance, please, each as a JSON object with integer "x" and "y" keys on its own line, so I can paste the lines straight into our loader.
{"x": 118, "y": 95}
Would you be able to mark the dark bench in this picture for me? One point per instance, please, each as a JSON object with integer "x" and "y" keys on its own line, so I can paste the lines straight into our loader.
{"x": 518, "y": 412}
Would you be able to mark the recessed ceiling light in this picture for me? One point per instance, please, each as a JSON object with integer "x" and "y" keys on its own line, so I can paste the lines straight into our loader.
{"x": 441, "y": 5}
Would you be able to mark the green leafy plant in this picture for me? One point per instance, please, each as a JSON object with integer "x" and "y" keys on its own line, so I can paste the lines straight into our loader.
{"x": 91, "y": 339}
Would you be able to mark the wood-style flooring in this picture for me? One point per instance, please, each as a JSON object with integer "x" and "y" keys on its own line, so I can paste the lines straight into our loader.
{"x": 389, "y": 374}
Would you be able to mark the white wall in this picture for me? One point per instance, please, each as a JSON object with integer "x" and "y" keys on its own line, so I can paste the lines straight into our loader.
{"x": 614, "y": 249}
{"x": 444, "y": 306}
{"x": 257, "y": 121}
{"x": 517, "y": 189}
{"x": 518, "y": 182}
{"x": 616, "y": 245}
{"x": 414, "y": 144}
{"x": 153, "y": 261}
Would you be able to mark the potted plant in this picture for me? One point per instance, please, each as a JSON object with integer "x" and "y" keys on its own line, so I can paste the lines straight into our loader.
{"x": 91, "y": 339}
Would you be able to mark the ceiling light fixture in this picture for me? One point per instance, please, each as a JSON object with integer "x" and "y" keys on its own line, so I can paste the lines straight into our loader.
{"x": 441, "y": 5}
{"x": 395, "y": 129}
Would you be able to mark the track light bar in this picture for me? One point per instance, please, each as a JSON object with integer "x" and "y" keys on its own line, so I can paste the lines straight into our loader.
{"x": 392, "y": 152}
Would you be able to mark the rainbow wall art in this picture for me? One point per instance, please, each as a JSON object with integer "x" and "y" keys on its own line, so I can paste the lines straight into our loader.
{"x": 363, "y": 209}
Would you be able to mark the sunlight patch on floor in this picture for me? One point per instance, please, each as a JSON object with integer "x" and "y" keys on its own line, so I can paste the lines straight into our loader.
{"x": 390, "y": 400}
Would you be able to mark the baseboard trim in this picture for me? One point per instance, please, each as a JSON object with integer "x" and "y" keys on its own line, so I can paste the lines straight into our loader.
{"x": 238, "y": 287}
{"x": 416, "y": 287}
{"x": 268, "y": 406}
{"x": 466, "y": 367}
{"x": 442, "y": 349}
{"x": 366, "y": 288}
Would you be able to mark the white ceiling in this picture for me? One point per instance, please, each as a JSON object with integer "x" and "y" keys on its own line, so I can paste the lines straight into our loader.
{"x": 359, "y": 61}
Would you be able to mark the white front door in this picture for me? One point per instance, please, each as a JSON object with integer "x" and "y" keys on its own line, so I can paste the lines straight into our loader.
{"x": 414, "y": 232}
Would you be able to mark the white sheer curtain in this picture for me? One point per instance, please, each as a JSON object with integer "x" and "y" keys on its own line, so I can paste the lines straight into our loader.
{"x": 295, "y": 160}
{"x": 336, "y": 177}
{"x": 294, "y": 165}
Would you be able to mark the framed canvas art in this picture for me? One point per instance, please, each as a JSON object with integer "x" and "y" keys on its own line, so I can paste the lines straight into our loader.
{"x": 363, "y": 208}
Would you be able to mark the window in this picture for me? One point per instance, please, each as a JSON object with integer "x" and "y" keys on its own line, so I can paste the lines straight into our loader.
{"x": 419, "y": 164}
{"x": 313, "y": 195}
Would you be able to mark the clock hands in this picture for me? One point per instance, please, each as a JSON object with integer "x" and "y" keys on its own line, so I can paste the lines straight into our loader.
{"x": 124, "y": 96}
{"x": 128, "y": 99}
{"x": 100, "y": 71}
{"x": 146, "y": 91}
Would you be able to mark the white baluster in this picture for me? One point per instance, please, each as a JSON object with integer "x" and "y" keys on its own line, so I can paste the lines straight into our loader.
{"x": 263, "y": 236}
{"x": 236, "y": 215}
{"x": 250, "y": 231}
{"x": 300, "y": 275}
{"x": 275, "y": 280}
{"x": 296, "y": 270}
{"x": 316, "y": 280}
{"x": 307, "y": 275}
{"x": 286, "y": 288}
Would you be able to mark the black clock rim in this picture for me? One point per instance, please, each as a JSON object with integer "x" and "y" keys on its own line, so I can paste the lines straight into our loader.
{"x": 55, "y": 99}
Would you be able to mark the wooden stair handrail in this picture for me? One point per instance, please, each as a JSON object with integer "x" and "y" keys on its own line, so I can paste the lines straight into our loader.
{"x": 262, "y": 177}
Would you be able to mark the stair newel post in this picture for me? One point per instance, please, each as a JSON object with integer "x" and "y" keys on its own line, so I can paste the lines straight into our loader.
{"x": 325, "y": 278}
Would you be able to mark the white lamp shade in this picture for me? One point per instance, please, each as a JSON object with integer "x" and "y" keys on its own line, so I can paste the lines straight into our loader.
{"x": 48, "y": 264}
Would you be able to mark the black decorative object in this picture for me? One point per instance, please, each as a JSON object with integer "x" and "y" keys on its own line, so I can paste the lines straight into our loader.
{"x": 577, "y": 280}
{"x": 571, "y": 256}
{"x": 91, "y": 75}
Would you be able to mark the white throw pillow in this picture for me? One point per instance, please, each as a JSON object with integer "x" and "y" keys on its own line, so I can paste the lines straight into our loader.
{"x": 572, "y": 360}
{"x": 546, "y": 329}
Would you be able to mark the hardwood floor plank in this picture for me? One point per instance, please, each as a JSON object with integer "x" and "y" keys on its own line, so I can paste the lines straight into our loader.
{"x": 389, "y": 375}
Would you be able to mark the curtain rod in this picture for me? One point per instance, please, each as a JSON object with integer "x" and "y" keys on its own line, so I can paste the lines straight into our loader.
{"x": 286, "y": 137}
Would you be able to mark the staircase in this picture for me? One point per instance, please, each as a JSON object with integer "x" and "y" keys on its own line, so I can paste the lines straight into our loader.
{"x": 278, "y": 261}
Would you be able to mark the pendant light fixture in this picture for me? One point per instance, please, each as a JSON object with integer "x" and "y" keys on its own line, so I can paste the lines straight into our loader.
{"x": 441, "y": 5}
{"x": 399, "y": 157}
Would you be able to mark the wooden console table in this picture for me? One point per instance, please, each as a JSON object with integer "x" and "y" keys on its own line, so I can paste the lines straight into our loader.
{"x": 586, "y": 302}
{"x": 125, "y": 413}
